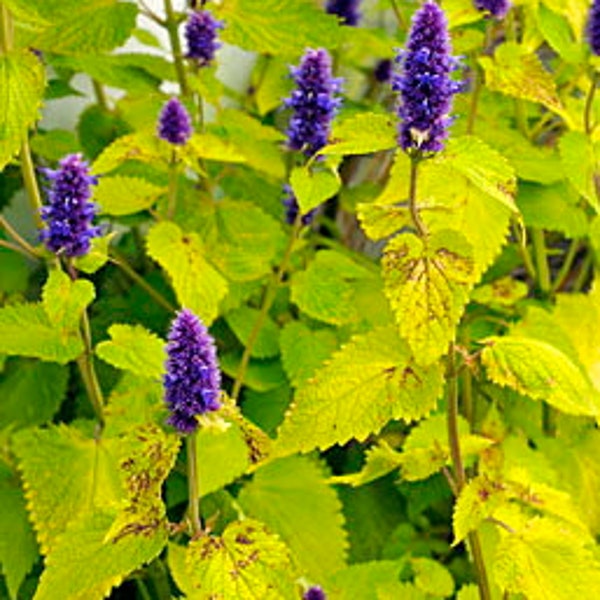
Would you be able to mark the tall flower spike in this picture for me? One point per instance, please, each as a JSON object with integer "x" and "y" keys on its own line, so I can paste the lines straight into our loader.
{"x": 193, "y": 380}
{"x": 174, "y": 125}
{"x": 593, "y": 27}
{"x": 69, "y": 213}
{"x": 313, "y": 102}
{"x": 424, "y": 83}
{"x": 347, "y": 10}
{"x": 496, "y": 8}
{"x": 201, "y": 31}
{"x": 314, "y": 593}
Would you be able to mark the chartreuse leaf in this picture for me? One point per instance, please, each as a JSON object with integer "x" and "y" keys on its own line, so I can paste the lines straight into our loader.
{"x": 363, "y": 133}
{"x": 18, "y": 550}
{"x": 135, "y": 349}
{"x": 364, "y": 579}
{"x": 370, "y": 381}
{"x": 198, "y": 285}
{"x": 31, "y": 392}
{"x": 516, "y": 71}
{"x": 65, "y": 475}
{"x": 247, "y": 562}
{"x": 22, "y": 73}
{"x": 292, "y": 498}
{"x": 121, "y": 195}
{"x": 97, "y": 257}
{"x": 381, "y": 460}
{"x": 546, "y": 561}
{"x": 283, "y": 27}
{"x": 242, "y": 322}
{"x": 313, "y": 185}
{"x": 209, "y": 146}
{"x": 542, "y": 372}
{"x": 85, "y": 565}
{"x": 48, "y": 330}
{"x": 431, "y": 577}
{"x": 329, "y": 288}
{"x": 579, "y": 163}
{"x": 140, "y": 146}
{"x": 428, "y": 283}
{"x": 303, "y": 350}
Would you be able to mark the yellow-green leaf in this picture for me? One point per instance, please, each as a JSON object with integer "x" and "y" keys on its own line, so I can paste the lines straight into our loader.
{"x": 120, "y": 195}
{"x": 313, "y": 186}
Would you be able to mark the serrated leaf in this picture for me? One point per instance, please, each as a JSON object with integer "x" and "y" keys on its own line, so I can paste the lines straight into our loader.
{"x": 222, "y": 456}
{"x": 292, "y": 498}
{"x": 363, "y": 133}
{"x": 281, "y": 27}
{"x": 139, "y": 146}
{"x": 31, "y": 392}
{"x": 247, "y": 562}
{"x": 120, "y": 195}
{"x": 22, "y": 73}
{"x": 242, "y": 322}
{"x": 431, "y": 577}
{"x": 484, "y": 167}
{"x": 64, "y": 300}
{"x": 18, "y": 550}
{"x": 540, "y": 371}
{"x": 427, "y": 284}
{"x": 85, "y": 565}
{"x": 64, "y": 474}
{"x": 364, "y": 579}
{"x": 198, "y": 285}
{"x": 135, "y": 349}
{"x": 313, "y": 186}
{"x": 381, "y": 460}
{"x": 303, "y": 350}
{"x": 546, "y": 561}
{"x": 209, "y": 146}
{"x": 370, "y": 381}
{"x": 579, "y": 164}
{"x": 329, "y": 288}
{"x": 97, "y": 257}
{"x": 517, "y": 72}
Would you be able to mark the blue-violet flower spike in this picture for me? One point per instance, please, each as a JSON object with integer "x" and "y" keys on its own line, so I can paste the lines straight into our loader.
{"x": 193, "y": 380}
{"x": 495, "y": 8}
{"x": 292, "y": 208}
{"x": 424, "y": 83}
{"x": 69, "y": 214}
{"x": 201, "y": 31}
{"x": 313, "y": 101}
{"x": 593, "y": 27}
{"x": 174, "y": 124}
{"x": 314, "y": 593}
{"x": 347, "y": 10}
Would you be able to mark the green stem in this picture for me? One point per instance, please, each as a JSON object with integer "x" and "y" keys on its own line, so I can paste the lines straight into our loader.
{"x": 12, "y": 232}
{"x": 5, "y": 30}
{"x": 142, "y": 589}
{"x": 565, "y": 270}
{"x": 31, "y": 184}
{"x": 18, "y": 249}
{"x": 172, "y": 197}
{"x": 88, "y": 372}
{"x": 467, "y": 396}
{"x": 460, "y": 476}
{"x": 193, "y": 490}
{"x": 267, "y": 302}
{"x": 171, "y": 25}
{"x": 397, "y": 13}
{"x": 589, "y": 103}
{"x": 541, "y": 260}
{"x": 583, "y": 275}
{"x": 100, "y": 94}
{"x": 549, "y": 419}
{"x": 523, "y": 250}
{"x": 412, "y": 198}
{"x": 122, "y": 264}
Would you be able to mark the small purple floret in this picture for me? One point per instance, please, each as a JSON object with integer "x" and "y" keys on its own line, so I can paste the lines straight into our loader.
{"x": 193, "y": 379}
{"x": 593, "y": 27}
{"x": 201, "y": 34}
{"x": 347, "y": 10}
{"x": 424, "y": 83}
{"x": 292, "y": 208}
{"x": 174, "y": 124}
{"x": 314, "y": 593}
{"x": 69, "y": 214}
{"x": 495, "y": 8}
{"x": 313, "y": 102}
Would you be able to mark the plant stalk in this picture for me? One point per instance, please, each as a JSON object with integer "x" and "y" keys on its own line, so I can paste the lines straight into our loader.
{"x": 172, "y": 193}
{"x": 193, "y": 489}
{"x": 541, "y": 260}
{"x": 171, "y": 25}
{"x": 31, "y": 184}
{"x": 589, "y": 103}
{"x": 412, "y": 197}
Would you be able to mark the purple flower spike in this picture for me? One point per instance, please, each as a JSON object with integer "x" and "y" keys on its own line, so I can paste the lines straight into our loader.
{"x": 424, "y": 83}
{"x": 593, "y": 27}
{"x": 314, "y": 593}
{"x": 69, "y": 213}
{"x": 201, "y": 32}
{"x": 347, "y": 10}
{"x": 174, "y": 125}
{"x": 193, "y": 380}
{"x": 292, "y": 208}
{"x": 495, "y": 8}
{"x": 313, "y": 101}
